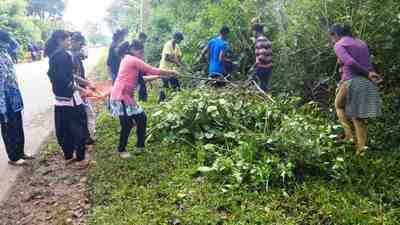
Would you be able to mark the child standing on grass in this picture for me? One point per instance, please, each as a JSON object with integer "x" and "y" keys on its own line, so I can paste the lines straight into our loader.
{"x": 122, "y": 102}
{"x": 70, "y": 122}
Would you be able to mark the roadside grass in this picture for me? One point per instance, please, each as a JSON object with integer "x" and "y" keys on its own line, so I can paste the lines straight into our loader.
{"x": 163, "y": 186}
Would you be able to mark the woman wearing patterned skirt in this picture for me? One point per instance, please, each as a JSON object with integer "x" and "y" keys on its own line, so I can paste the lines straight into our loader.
{"x": 358, "y": 94}
{"x": 122, "y": 102}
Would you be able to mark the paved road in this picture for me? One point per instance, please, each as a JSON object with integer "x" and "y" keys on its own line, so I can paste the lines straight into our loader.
{"x": 38, "y": 112}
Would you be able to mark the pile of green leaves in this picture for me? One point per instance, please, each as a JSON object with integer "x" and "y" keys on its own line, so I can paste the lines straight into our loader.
{"x": 242, "y": 139}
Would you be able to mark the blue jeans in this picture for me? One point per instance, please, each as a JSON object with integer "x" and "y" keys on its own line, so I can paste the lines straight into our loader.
{"x": 263, "y": 75}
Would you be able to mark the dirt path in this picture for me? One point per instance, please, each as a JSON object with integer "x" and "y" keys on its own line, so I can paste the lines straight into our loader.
{"x": 47, "y": 193}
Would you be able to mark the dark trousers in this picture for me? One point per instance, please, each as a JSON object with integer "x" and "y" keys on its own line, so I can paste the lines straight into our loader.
{"x": 71, "y": 130}
{"x": 217, "y": 84}
{"x": 142, "y": 88}
{"x": 263, "y": 75}
{"x": 170, "y": 83}
{"x": 12, "y": 131}
{"x": 127, "y": 123}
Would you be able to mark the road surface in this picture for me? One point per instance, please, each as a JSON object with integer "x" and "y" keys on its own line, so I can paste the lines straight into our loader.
{"x": 38, "y": 112}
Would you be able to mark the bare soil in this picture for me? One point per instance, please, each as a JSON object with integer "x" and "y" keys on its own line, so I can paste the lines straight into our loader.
{"x": 47, "y": 192}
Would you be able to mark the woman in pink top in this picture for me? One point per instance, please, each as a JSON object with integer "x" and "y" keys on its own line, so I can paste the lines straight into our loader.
{"x": 122, "y": 102}
{"x": 357, "y": 97}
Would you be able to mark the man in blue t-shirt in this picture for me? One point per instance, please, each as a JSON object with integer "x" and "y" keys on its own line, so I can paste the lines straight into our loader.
{"x": 216, "y": 50}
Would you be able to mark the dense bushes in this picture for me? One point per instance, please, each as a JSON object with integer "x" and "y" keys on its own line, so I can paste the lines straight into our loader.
{"x": 24, "y": 28}
{"x": 303, "y": 54}
{"x": 267, "y": 164}
{"x": 246, "y": 140}
{"x": 298, "y": 29}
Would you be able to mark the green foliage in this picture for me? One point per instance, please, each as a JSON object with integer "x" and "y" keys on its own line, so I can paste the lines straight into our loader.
{"x": 386, "y": 130}
{"x": 13, "y": 19}
{"x": 45, "y": 9}
{"x": 221, "y": 179}
{"x": 246, "y": 141}
{"x": 16, "y": 18}
{"x": 306, "y": 36}
{"x": 164, "y": 186}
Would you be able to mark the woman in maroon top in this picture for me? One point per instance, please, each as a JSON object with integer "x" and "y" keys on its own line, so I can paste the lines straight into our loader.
{"x": 357, "y": 97}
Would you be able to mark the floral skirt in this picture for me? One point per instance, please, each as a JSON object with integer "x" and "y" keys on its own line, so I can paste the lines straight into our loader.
{"x": 120, "y": 108}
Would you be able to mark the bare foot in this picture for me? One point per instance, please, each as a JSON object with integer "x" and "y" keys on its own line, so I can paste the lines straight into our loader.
{"x": 342, "y": 138}
{"x": 361, "y": 151}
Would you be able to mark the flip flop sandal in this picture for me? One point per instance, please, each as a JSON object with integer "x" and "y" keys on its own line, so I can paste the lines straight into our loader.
{"x": 20, "y": 162}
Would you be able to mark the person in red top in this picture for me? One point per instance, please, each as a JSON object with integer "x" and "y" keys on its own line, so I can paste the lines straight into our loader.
{"x": 263, "y": 51}
{"x": 122, "y": 101}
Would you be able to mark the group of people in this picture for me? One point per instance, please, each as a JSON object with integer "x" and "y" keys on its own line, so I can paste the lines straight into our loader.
{"x": 74, "y": 115}
{"x": 128, "y": 71}
{"x": 357, "y": 97}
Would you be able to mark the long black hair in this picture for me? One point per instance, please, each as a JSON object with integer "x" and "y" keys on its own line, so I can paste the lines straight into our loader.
{"x": 127, "y": 48}
{"x": 53, "y": 43}
{"x": 341, "y": 30}
{"x": 258, "y": 28}
{"x": 78, "y": 37}
{"x": 123, "y": 49}
{"x": 178, "y": 36}
{"x": 119, "y": 35}
{"x": 136, "y": 45}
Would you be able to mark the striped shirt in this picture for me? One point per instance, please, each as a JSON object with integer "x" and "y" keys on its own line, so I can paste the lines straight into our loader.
{"x": 263, "y": 52}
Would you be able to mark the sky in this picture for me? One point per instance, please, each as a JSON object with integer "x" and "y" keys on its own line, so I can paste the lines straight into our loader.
{"x": 78, "y": 12}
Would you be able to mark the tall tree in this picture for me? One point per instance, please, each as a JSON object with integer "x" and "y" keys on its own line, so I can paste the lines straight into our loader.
{"x": 44, "y": 9}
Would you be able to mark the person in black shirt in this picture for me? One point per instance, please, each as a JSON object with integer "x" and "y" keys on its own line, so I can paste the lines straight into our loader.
{"x": 114, "y": 60}
{"x": 71, "y": 129}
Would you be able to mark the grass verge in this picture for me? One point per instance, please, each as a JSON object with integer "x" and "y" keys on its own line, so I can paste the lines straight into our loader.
{"x": 162, "y": 186}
